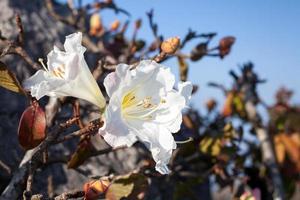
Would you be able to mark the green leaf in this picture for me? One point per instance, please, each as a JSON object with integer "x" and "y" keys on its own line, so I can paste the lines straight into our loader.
{"x": 8, "y": 80}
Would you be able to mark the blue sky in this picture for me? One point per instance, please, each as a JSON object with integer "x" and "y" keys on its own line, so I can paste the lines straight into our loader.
{"x": 267, "y": 32}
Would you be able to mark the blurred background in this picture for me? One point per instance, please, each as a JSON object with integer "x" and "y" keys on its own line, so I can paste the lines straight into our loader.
{"x": 267, "y": 34}
{"x": 239, "y": 141}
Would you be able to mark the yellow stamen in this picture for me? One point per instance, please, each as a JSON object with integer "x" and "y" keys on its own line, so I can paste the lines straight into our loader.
{"x": 128, "y": 100}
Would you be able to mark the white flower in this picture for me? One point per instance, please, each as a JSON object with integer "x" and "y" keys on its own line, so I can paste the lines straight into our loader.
{"x": 144, "y": 106}
{"x": 67, "y": 75}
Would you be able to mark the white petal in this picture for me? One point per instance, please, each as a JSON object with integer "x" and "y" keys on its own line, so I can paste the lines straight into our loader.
{"x": 169, "y": 113}
{"x": 158, "y": 140}
{"x": 69, "y": 62}
{"x": 112, "y": 80}
{"x": 73, "y": 43}
{"x": 84, "y": 86}
{"x": 41, "y": 84}
{"x": 111, "y": 83}
{"x": 114, "y": 131}
{"x": 185, "y": 89}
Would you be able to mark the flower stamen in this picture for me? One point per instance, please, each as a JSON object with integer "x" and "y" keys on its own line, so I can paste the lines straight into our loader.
{"x": 42, "y": 63}
{"x": 59, "y": 71}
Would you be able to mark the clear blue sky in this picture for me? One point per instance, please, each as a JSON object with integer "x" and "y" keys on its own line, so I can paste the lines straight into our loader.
{"x": 267, "y": 32}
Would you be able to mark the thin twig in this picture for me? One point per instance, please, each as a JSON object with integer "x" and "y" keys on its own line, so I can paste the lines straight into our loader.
{"x": 20, "y": 30}
{"x": 69, "y": 195}
{"x": 5, "y": 167}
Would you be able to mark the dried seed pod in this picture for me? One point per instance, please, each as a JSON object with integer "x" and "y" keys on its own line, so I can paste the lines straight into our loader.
{"x": 225, "y": 45}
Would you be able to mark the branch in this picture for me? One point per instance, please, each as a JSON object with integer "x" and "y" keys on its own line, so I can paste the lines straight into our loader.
{"x": 267, "y": 150}
{"x": 107, "y": 4}
{"x": 69, "y": 195}
{"x": 15, "y": 47}
{"x": 33, "y": 157}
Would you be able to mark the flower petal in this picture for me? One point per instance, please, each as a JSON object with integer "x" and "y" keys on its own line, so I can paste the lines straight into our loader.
{"x": 68, "y": 62}
{"x": 41, "y": 84}
{"x": 73, "y": 43}
{"x": 157, "y": 139}
{"x": 112, "y": 80}
{"x": 114, "y": 131}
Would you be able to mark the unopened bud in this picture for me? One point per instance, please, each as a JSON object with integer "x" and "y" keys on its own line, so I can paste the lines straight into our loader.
{"x": 138, "y": 24}
{"x": 114, "y": 25}
{"x": 211, "y": 104}
{"x": 95, "y": 24}
{"x": 170, "y": 45}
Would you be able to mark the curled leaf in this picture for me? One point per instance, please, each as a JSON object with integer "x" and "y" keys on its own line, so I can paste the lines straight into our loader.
{"x": 279, "y": 148}
{"x": 8, "y": 80}
{"x": 183, "y": 68}
{"x": 211, "y": 146}
{"x": 131, "y": 186}
{"x": 32, "y": 126}
{"x": 227, "y": 108}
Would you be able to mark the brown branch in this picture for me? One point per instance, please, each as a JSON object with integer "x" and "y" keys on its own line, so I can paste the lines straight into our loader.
{"x": 69, "y": 195}
{"x": 160, "y": 57}
{"x": 11, "y": 47}
{"x": 5, "y": 167}
{"x": 68, "y": 21}
{"x": 106, "y": 5}
{"x": 97, "y": 72}
{"x": 20, "y": 30}
{"x": 267, "y": 150}
{"x": 91, "y": 128}
{"x": 14, "y": 188}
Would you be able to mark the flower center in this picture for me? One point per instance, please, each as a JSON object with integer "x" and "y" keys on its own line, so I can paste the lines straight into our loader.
{"x": 59, "y": 71}
{"x": 139, "y": 108}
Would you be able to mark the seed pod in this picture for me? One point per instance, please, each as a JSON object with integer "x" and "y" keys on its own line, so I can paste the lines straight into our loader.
{"x": 225, "y": 45}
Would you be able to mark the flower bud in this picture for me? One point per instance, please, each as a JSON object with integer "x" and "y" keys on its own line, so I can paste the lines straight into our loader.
{"x": 95, "y": 24}
{"x": 170, "y": 45}
{"x": 114, "y": 25}
{"x": 211, "y": 104}
{"x": 138, "y": 24}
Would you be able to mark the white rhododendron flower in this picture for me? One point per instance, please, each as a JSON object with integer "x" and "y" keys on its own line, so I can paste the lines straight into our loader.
{"x": 144, "y": 106}
{"x": 67, "y": 75}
